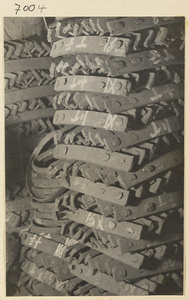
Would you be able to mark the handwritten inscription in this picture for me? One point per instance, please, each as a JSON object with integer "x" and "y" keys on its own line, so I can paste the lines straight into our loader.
{"x": 156, "y": 130}
{"x": 109, "y": 45}
{"x": 78, "y": 82}
{"x": 29, "y": 8}
{"x": 110, "y": 121}
{"x": 59, "y": 250}
{"x": 82, "y": 44}
{"x": 34, "y": 241}
{"x": 155, "y": 57}
{"x": 60, "y": 285}
{"x": 94, "y": 221}
{"x": 110, "y": 85}
{"x": 170, "y": 93}
{"x": 80, "y": 116}
{"x": 168, "y": 201}
{"x": 47, "y": 236}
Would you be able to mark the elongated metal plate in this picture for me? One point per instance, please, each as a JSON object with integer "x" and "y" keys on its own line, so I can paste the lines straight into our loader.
{"x": 30, "y": 115}
{"x": 45, "y": 231}
{"x": 145, "y": 207}
{"x": 46, "y": 245}
{"x": 43, "y": 275}
{"x": 99, "y": 190}
{"x": 116, "y": 66}
{"x": 19, "y": 204}
{"x": 105, "y": 281}
{"x": 52, "y": 183}
{"x": 104, "y": 85}
{"x": 95, "y": 156}
{"x": 48, "y": 138}
{"x": 43, "y": 207}
{"x": 164, "y": 92}
{"x": 45, "y": 290}
{"x": 47, "y": 222}
{"x": 134, "y": 260}
{"x": 104, "y": 264}
{"x": 40, "y": 274}
{"x": 82, "y": 185}
{"x": 148, "y": 206}
{"x": 125, "y": 229}
{"x": 25, "y": 64}
{"x": 167, "y": 265}
{"x": 88, "y": 44}
{"x": 47, "y": 216}
{"x": 150, "y": 131}
{"x": 92, "y": 119}
{"x": 113, "y": 26}
{"x": 29, "y": 93}
{"x": 116, "y": 104}
{"x": 126, "y": 245}
{"x": 165, "y": 162}
{"x": 83, "y": 290}
{"x": 147, "y": 284}
{"x": 44, "y": 192}
{"x": 129, "y": 24}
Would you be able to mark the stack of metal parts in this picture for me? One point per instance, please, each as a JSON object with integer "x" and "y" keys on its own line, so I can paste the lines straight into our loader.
{"x": 28, "y": 117}
{"x": 28, "y": 104}
{"x": 107, "y": 186}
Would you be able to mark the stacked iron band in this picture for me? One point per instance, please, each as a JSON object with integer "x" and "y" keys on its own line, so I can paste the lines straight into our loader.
{"x": 107, "y": 186}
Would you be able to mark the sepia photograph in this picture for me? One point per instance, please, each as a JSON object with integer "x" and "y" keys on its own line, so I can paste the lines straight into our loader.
{"x": 94, "y": 155}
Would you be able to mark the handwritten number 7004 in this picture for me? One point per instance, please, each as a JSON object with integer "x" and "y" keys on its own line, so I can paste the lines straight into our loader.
{"x": 29, "y": 8}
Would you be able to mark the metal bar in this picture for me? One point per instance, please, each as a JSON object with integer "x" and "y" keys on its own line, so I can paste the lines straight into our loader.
{"x": 118, "y": 161}
{"x": 148, "y": 206}
{"x": 126, "y": 229}
{"x": 105, "y": 281}
{"x": 134, "y": 260}
{"x": 19, "y": 204}
{"x": 29, "y": 93}
{"x": 48, "y": 246}
{"x": 105, "y": 85}
{"x": 25, "y": 64}
{"x": 88, "y": 44}
{"x": 155, "y": 167}
{"x": 165, "y": 92}
{"x": 148, "y": 132}
{"x": 30, "y": 115}
{"x": 130, "y": 24}
{"x": 44, "y": 276}
{"x": 91, "y": 118}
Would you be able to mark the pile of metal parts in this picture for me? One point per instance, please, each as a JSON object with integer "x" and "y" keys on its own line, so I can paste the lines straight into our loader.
{"x": 102, "y": 102}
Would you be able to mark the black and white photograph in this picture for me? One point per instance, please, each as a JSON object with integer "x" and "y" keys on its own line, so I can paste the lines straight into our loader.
{"x": 94, "y": 155}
